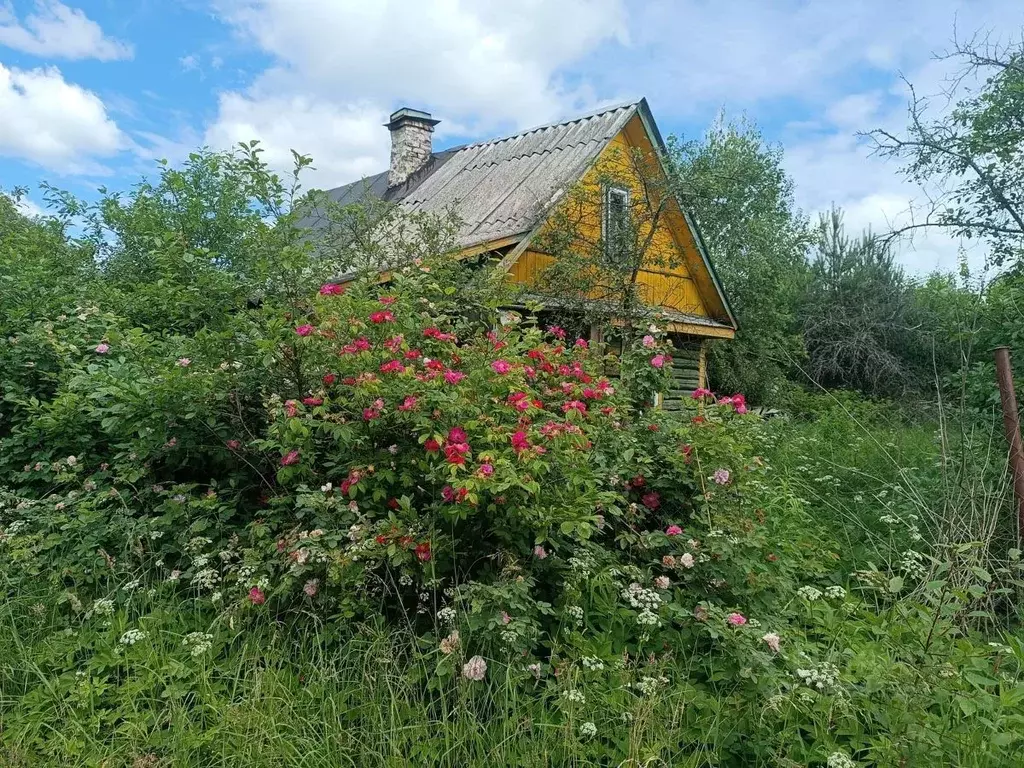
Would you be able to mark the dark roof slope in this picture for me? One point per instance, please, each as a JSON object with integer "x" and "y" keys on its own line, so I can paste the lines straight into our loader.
{"x": 499, "y": 188}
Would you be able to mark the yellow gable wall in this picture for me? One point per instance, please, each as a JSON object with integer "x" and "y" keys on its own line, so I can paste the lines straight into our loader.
{"x": 666, "y": 280}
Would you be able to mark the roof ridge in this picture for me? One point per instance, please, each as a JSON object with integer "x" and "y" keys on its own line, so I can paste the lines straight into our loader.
{"x": 567, "y": 121}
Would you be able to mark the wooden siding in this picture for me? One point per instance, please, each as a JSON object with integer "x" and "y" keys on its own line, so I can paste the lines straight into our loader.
{"x": 688, "y": 372}
{"x": 666, "y": 279}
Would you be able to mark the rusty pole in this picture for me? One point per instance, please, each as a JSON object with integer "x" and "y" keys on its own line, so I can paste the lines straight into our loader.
{"x": 1011, "y": 425}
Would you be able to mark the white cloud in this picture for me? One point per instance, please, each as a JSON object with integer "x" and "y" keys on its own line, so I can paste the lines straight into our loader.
{"x": 55, "y": 30}
{"x": 29, "y": 208}
{"x": 350, "y": 139}
{"x": 53, "y": 123}
{"x": 341, "y": 65}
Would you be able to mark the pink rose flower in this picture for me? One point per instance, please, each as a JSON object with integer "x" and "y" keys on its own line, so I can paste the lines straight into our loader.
{"x": 475, "y": 669}
{"x": 305, "y": 330}
{"x": 736, "y": 619}
{"x": 331, "y": 289}
{"x": 102, "y": 349}
{"x": 501, "y": 366}
{"x": 673, "y": 530}
{"x": 311, "y": 587}
{"x": 658, "y": 361}
{"x": 721, "y": 476}
{"x": 292, "y": 457}
{"x": 453, "y": 377}
{"x": 539, "y": 552}
{"x": 256, "y": 596}
{"x": 649, "y": 341}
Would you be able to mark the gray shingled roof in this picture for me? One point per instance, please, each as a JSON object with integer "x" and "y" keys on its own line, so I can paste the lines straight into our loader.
{"x": 500, "y": 188}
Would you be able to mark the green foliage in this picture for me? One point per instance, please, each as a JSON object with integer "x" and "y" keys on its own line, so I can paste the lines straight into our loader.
{"x": 394, "y": 523}
{"x": 736, "y": 188}
{"x": 861, "y": 326}
{"x": 971, "y": 154}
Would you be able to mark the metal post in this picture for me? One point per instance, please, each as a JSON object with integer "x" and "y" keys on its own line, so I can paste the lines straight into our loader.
{"x": 1011, "y": 425}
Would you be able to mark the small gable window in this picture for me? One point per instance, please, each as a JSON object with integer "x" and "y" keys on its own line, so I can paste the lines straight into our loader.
{"x": 616, "y": 220}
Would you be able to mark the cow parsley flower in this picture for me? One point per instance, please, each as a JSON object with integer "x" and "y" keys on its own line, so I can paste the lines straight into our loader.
{"x": 131, "y": 637}
{"x": 574, "y": 696}
{"x": 808, "y": 593}
{"x": 103, "y": 607}
{"x": 198, "y": 643}
{"x": 588, "y": 730}
{"x": 840, "y": 760}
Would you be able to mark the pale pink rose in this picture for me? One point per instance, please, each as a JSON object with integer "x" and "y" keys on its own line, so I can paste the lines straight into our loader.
{"x": 686, "y": 560}
{"x": 736, "y": 619}
{"x": 450, "y": 643}
{"x": 311, "y": 587}
{"x": 184, "y": 362}
{"x": 773, "y": 640}
{"x": 648, "y": 341}
{"x": 505, "y": 618}
{"x": 662, "y": 582}
{"x": 475, "y": 669}
{"x": 539, "y": 552}
{"x": 102, "y": 349}
{"x": 721, "y": 476}
{"x": 668, "y": 561}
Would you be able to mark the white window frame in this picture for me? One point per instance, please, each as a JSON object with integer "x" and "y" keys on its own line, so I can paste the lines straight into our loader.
{"x": 610, "y": 191}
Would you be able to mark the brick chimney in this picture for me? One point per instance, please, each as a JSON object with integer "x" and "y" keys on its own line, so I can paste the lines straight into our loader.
{"x": 410, "y": 143}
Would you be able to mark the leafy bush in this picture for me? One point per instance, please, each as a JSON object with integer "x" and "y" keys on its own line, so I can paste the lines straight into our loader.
{"x": 397, "y": 510}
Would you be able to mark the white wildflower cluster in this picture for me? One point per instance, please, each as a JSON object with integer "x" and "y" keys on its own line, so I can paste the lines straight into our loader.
{"x": 405, "y": 580}
{"x": 647, "y": 601}
{"x": 15, "y": 527}
{"x": 581, "y": 566}
{"x": 835, "y": 592}
{"x": 840, "y": 760}
{"x": 510, "y": 636}
{"x": 132, "y": 585}
{"x": 574, "y": 696}
{"x": 246, "y": 572}
{"x": 196, "y": 543}
{"x": 649, "y": 686}
{"x": 823, "y": 677}
{"x": 207, "y": 578}
{"x": 588, "y": 730}
{"x": 592, "y": 663}
{"x": 912, "y": 564}
{"x": 446, "y": 616}
{"x": 808, "y": 593}
{"x": 103, "y": 607}
{"x": 574, "y": 612}
{"x": 131, "y": 637}
{"x": 198, "y": 643}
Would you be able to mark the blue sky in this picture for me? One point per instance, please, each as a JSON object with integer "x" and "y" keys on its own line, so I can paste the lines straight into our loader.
{"x": 93, "y": 92}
